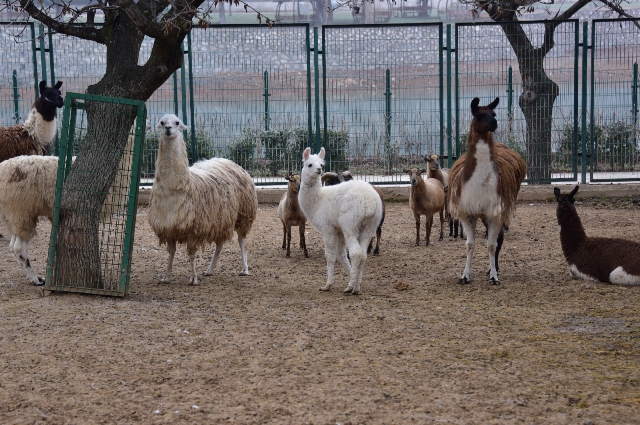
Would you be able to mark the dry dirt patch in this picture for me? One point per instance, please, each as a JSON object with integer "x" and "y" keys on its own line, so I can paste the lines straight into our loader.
{"x": 270, "y": 348}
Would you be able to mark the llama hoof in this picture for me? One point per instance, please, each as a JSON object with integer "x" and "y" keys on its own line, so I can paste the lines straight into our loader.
{"x": 287, "y": 255}
{"x": 325, "y": 288}
{"x": 349, "y": 290}
{"x": 355, "y": 292}
{"x": 40, "y": 282}
{"x": 464, "y": 280}
{"x": 165, "y": 280}
{"x": 207, "y": 273}
{"x": 244, "y": 273}
{"x": 494, "y": 281}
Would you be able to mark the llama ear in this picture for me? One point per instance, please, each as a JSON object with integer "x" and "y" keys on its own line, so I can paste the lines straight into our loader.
{"x": 306, "y": 153}
{"x": 42, "y": 86}
{"x": 556, "y": 192}
{"x": 58, "y": 85}
{"x": 423, "y": 171}
{"x": 181, "y": 125}
{"x": 406, "y": 171}
{"x": 493, "y": 104}
{"x": 574, "y": 191}
{"x": 321, "y": 153}
{"x": 474, "y": 105}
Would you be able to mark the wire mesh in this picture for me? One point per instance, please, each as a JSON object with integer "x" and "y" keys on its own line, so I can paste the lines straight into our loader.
{"x": 613, "y": 133}
{"x": 95, "y": 207}
{"x": 382, "y": 91}
{"x": 537, "y": 113}
{"x": 18, "y": 75}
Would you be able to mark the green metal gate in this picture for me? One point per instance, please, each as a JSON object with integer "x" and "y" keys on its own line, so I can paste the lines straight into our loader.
{"x": 613, "y": 127}
{"x": 108, "y": 267}
{"x": 382, "y": 97}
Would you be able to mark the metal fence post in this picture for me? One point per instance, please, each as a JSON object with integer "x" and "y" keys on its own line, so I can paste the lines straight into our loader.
{"x": 584, "y": 101}
{"x": 449, "y": 112}
{"x": 309, "y": 116}
{"x": 34, "y": 59}
{"x": 387, "y": 96}
{"x": 43, "y": 57}
{"x": 510, "y": 100}
{"x": 317, "y": 91}
{"x": 51, "y": 61}
{"x": 441, "y": 95}
{"x": 16, "y": 97}
{"x": 266, "y": 100}
{"x": 634, "y": 103}
{"x": 192, "y": 106}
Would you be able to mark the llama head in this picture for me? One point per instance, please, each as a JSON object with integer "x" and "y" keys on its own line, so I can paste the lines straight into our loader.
{"x": 50, "y": 99}
{"x": 312, "y": 164}
{"x": 484, "y": 118}
{"x": 569, "y": 198}
{"x": 331, "y": 179}
{"x": 566, "y": 210}
{"x": 294, "y": 182}
{"x": 433, "y": 161}
{"x": 170, "y": 125}
{"x": 415, "y": 175}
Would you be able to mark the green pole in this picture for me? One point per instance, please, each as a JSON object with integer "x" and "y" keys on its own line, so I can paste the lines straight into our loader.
{"x": 175, "y": 93}
{"x": 634, "y": 99}
{"x": 387, "y": 112}
{"x": 449, "y": 112}
{"x": 309, "y": 116}
{"x": 192, "y": 105}
{"x": 183, "y": 92}
{"x": 510, "y": 99}
{"x": 43, "y": 57}
{"x": 317, "y": 90}
{"x": 441, "y": 93}
{"x": 34, "y": 59}
{"x": 266, "y": 100}
{"x": 324, "y": 87}
{"x": 584, "y": 101}
{"x": 16, "y": 97}
{"x": 51, "y": 61}
{"x": 593, "y": 90}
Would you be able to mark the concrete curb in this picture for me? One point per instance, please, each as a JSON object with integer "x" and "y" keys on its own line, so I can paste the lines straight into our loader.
{"x": 270, "y": 195}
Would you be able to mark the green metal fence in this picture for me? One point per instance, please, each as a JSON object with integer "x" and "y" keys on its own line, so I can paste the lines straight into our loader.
{"x": 92, "y": 231}
{"x": 613, "y": 125}
{"x": 378, "y": 97}
{"x": 382, "y": 98}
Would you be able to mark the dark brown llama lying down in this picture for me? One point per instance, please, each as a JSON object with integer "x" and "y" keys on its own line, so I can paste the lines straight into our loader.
{"x": 609, "y": 260}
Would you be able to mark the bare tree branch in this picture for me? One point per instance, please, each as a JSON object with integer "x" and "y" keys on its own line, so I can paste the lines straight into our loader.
{"x": 85, "y": 32}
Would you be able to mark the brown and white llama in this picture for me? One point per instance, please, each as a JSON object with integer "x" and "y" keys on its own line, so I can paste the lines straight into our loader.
{"x": 426, "y": 197}
{"x": 442, "y": 174}
{"x": 484, "y": 184}
{"x": 291, "y": 214}
{"x": 598, "y": 259}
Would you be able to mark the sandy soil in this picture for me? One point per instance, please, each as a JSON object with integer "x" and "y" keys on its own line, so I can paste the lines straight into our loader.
{"x": 270, "y": 348}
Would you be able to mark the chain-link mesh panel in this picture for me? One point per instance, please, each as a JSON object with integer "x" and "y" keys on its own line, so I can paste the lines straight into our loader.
{"x": 613, "y": 133}
{"x": 251, "y": 96}
{"x": 96, "y": 195}
{"x": 382, "y": 94}
{"x": 537, "y": 113}
{"x": 18, "y": 73}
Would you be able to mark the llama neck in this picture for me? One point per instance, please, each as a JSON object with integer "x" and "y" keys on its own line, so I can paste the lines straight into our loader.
{"x": 571, "y": 231}
{"x": 309, "y": 195}
{"x": 480, "y": 154}
{"x": 48, "y": 111}
{"x": 172, "y": 165}
{"x": 40, "y": 128}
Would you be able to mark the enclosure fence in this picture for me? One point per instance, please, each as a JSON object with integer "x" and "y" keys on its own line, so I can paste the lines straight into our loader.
{"x": 377, "y": 97}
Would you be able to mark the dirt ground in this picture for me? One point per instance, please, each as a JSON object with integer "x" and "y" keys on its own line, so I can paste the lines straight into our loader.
{"x": 270, "y": 348}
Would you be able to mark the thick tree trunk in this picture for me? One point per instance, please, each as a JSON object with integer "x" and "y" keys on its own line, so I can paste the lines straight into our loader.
{"x": 536, "y": 101}
{"x": 99, "y": 153}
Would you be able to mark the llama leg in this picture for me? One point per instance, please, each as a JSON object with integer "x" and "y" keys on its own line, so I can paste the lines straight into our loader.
{"x": 441, "y": 225}
{"x": 451, "y": 220}
{"x": 288, "y": 240}
{"x": 11, "y": 243}
{"x": 217, "y": 249}
{"x": 417, "y": 217}
{"x": 191, "y": 252}
{"x": 243, "y": 252}
{"x": 469, "y": 226}
{"x": 342, "y": 255}
{"x": 356, "y": 288}
{"x": 378, "y": 236}
{"x": 330, "y": 251}
{"x": 21, "y": 251}
{"x": 171, "y": 249}
{"x": 358, "y": 257}
{"x": 494, "y": 228}
{"x": 284, "y": 236}
{"x": 303, "y": 241}
{"x": 428, "y": 224}
{"x": 499, "y": 247}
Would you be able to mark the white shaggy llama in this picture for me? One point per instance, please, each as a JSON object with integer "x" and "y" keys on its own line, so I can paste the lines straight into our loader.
{"x": 346, "y": 214}
{"x": 198, "y": 205}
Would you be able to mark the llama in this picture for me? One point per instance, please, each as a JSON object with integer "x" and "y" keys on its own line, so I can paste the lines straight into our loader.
{"x": 426, "y": 197}
{"x": 290, "y": 214}
{"x": 607, "y": 260}
{"x": 36, "y": 134}
{"x": 27, "y": 192}
{"x": 442, "y": 175}
{"x": 484, "y": 183}
{"x": 200, "y": 204}
{"x": 346, "y": 215}
{"x": 331, "y": 179}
